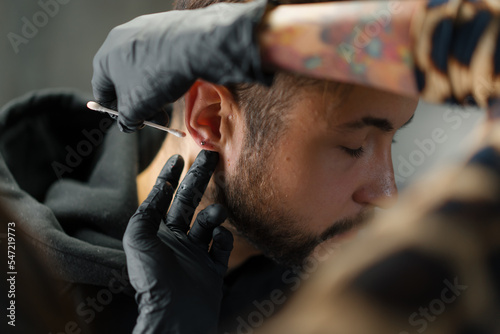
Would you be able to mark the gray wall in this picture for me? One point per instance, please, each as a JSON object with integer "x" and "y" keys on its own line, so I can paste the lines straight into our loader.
{"x": 60, "y": 54}
{"x": 437, "y": 135}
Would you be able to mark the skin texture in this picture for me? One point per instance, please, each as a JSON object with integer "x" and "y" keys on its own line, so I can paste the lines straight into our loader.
{"x": 312, "y": 179}
{"x": 357, "y": 42}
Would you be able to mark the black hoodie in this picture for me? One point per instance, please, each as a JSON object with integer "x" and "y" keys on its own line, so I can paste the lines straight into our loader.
{"x": 68, "y": 181}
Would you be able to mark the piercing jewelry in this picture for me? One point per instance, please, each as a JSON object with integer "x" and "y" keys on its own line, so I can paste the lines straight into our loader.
{"x": 203, "y": 143}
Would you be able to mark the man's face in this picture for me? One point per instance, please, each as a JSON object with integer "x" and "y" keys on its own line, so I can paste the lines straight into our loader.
{"x": 323, "y": 177}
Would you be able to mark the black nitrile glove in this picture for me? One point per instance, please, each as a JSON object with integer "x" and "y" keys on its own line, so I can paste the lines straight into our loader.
{"x": 154, "y": 59}
{"x": 177, "y": 278}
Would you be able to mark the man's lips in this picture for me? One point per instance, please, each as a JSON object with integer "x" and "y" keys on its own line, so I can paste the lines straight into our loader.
{"x": 346, "y": 228}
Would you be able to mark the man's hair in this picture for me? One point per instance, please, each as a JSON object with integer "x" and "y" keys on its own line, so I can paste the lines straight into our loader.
{"x": 264, "y": 107}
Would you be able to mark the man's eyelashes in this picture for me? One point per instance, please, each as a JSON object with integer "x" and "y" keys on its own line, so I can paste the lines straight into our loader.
{"x": 355, "y": 153}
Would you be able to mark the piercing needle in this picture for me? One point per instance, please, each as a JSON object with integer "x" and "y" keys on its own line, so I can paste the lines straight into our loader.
{"x": 97, "y": 107}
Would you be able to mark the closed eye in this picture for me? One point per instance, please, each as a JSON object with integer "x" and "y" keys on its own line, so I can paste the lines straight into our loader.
{"x": 355, "y": 153}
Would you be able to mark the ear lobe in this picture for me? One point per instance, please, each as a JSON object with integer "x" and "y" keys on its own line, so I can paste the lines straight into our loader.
{"x": 204, "y": 114}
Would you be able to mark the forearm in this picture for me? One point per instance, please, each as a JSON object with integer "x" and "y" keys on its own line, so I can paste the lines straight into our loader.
{"x": 357, "y": 42}
{"x": 448, "y": 51}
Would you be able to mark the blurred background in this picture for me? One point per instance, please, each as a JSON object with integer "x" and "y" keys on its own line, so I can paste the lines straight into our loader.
{"x": 58, "y": 52}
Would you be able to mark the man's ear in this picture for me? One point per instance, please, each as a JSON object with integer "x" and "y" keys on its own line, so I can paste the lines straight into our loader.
{"x": 207, "y": 106}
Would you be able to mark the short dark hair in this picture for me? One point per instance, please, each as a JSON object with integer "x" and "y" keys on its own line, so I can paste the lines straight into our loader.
{"x": 264, "y": 107}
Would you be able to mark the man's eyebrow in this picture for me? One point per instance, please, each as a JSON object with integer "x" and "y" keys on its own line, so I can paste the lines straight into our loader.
{"x": 380, "y": 123}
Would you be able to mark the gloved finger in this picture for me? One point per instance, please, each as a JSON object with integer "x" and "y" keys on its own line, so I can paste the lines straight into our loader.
{"x": 171, "y": 171}
{"x": 102, "y": 86}
{"x": 221, "y": 248}
{"x": 140, "y": 103}
{"x": 205, "y": 223}
{"x": 128, "y": 124}
{"x": 143, "y": 225}
{"x": 191, "y": 191}
{"x": 161, "y": 117}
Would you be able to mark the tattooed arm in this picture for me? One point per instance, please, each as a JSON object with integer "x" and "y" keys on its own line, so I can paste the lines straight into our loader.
{"x": 358, "y": 42}
{"x": 444, "y": 50}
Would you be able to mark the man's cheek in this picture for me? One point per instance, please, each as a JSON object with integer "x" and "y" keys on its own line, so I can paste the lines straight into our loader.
{"x": 324, "y": 205}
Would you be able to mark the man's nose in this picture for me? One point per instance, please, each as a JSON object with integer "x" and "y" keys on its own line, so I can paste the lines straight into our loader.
{"x": 379, "y": 188}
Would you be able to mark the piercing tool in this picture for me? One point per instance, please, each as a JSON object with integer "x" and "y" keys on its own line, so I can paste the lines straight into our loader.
{"x": 97, "y": 107}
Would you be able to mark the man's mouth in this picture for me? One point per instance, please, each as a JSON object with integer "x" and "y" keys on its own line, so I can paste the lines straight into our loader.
{"x": 347, "y": 228}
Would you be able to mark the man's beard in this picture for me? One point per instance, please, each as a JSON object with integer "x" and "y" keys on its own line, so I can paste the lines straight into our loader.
{"x": 250, "y": 197}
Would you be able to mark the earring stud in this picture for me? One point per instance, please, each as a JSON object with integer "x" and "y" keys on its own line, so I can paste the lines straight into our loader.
{"x": 203, "y": 143}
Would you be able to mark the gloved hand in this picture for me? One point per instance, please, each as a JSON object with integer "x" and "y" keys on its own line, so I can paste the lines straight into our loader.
{"x": 177, "y": 278}
{"x": 154, "y": 59}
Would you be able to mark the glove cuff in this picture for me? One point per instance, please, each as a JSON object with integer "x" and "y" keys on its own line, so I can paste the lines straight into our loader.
{"x": 260, "y": 12}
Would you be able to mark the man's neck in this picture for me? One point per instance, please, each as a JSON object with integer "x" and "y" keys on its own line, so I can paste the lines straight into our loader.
{"x": 145, "y": 181}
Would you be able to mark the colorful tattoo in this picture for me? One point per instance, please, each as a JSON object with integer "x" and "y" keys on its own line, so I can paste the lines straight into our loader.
{"x": 446, "y": 52}
{"x": 357, "y": 42}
